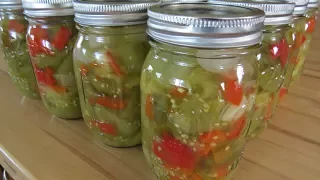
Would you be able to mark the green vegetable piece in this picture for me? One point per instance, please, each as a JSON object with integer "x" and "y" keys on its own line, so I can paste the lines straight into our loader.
{"x": 62, "y": 105}
{"x": 271, "y": 79}
{"x": 43, "y": 61}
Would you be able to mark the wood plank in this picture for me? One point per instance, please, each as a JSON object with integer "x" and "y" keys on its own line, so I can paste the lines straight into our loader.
{"x": 284, "y": 161}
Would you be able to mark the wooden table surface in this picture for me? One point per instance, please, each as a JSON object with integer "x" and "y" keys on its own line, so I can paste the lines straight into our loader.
{"x": 34, "y": 145}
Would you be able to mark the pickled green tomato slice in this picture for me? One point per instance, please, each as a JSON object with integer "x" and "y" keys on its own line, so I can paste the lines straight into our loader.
{"x": 50, "y": 47}
{"x": 194, "y": 118}
{"x": 108, "y": 79}
{"x": 13, "y": 45}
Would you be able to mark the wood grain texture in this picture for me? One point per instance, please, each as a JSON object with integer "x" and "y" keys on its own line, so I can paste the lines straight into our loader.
{"x": 43, "y": 147}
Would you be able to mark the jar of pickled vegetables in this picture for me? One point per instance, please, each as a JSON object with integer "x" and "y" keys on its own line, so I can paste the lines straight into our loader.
{"x": 51, "y": 36}
{"x": 110, "y": 50}
{"x": 198, "y": 87}
{"x": 299, "y": 31}
{"x": 13, "y": 28}
{"x": 274, "y": 58}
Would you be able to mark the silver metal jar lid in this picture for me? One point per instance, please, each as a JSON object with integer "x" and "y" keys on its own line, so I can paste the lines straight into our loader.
{"x": 205, "y": 25}
{"x": 43, "y": 8}
{"x": 11, "y": 4}
{"x": 277, "y": 11}
{"x": 301, "y": 6}
{"x": 112, "y": 13}
{"x": 313, "y": 3}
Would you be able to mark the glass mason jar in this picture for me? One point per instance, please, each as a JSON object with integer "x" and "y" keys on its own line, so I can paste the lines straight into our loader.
{"x": 298, "y": 52}
{"x": 51, "y": 36}
{"x": 275, "y": 49}
{"x": 13, "y": 44}
{"x": 108, "y": 58}
{"x": 197, "y": 89}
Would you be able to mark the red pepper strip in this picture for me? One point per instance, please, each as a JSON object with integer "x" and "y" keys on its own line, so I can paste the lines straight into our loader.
{"x": 45, "y": 76}
{"x": 16, "y": 26}
{"x": 299, "y": 40}
{"x": 311, "y": 25}
{"x": 149, "y": 107}
{"x": 59, "y": 89}
{"x": 274, "y": 50}
{"x": 221, "y": 172}
{"x": 284, "y": 52}
{"x": 108, "y": 102}
{"x": 106, "y": 128}
{"x": 113, "y": 64}
{"x": 237, "y": 128}
{"x": 203, "y": 151}
{"x": 178, "y": 92}
{"x": 33, "y": 47}
{"x": 84, "y": 70}
{"x": 294, "y": 59}
{"x": 39, "y": 32}
{"x": 233, "y": 92}
{"x": 283, "y": 92}
{"x": 174, "y": 153}
{"x": 61, "y": 38}
{"x": 37, "y": 41}
{"x": 215, "y": 136}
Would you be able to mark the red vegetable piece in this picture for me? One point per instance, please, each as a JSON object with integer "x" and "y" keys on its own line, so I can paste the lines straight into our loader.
{"x": 113, "y": 64}
{"x": 39, "y": 32}
{"x": 107, "y": 128}
{"x": 299, "y": 40}
{"x": 33, "y": 48}
{"x": 59, "y": 89}
{"x": 283, "y": 92}
{"x": 215, "y": 136}
{"x": 149, "y": 107}
{"x": 294, "y": 59}
{"x": 221, "y": 172}
{"x": 233, "y": 92}
{"x": 274, "y": 50}
{"x": 174, "y": 153}
{"x": 284, "y": 52}
{"x": 61, "y": 38}
{"x": 16, "y": 26}
{"x": 311, "y": 24}
{"x": 37, "y": 41}
{"x": 178, "y": 92}
{"x": 203, "y": 151}
{"x": 237, "y": 128}
{"x": 84, "y": 70}
{"x": 112, "y": 103}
